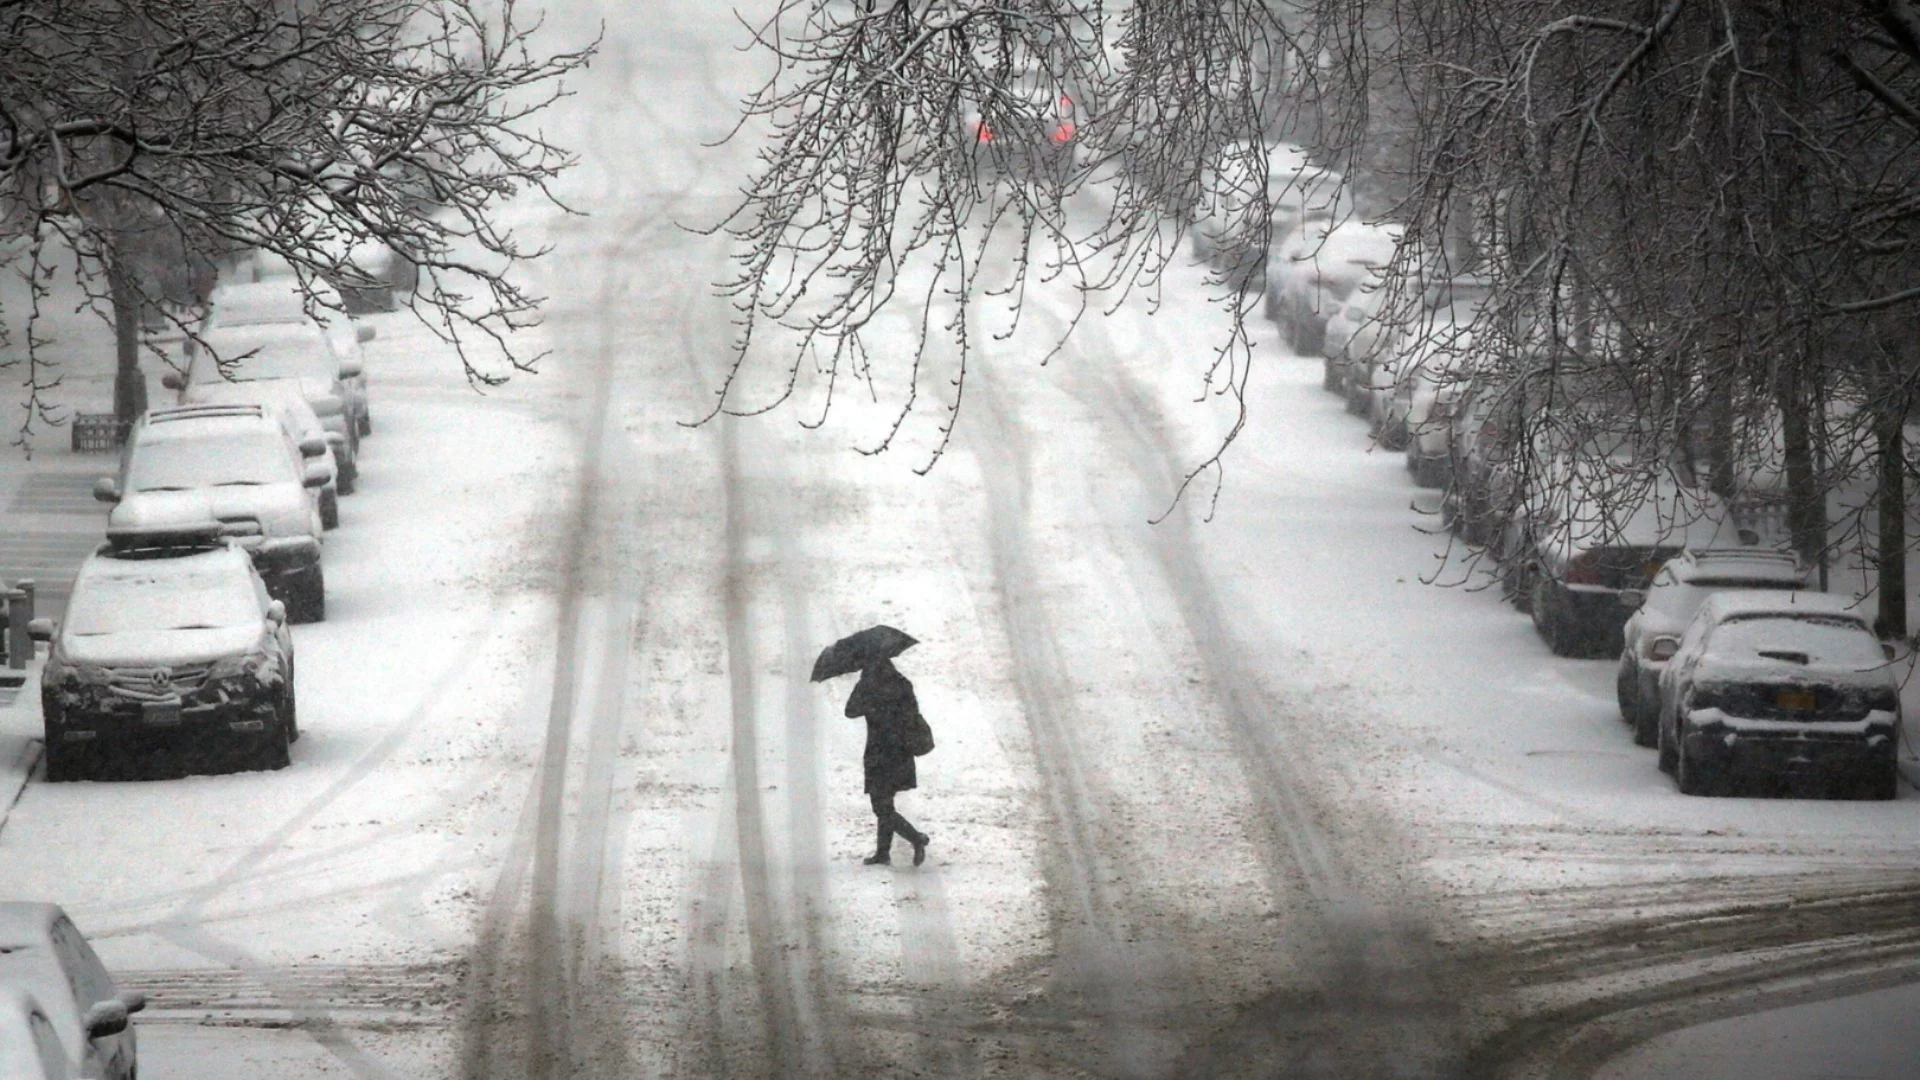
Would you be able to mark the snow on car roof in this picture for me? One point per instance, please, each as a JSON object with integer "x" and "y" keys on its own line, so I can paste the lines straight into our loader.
{"x": 1752, "y": 603}
{"x": 1739, "y": 564}
{"x": 213, "y": 425}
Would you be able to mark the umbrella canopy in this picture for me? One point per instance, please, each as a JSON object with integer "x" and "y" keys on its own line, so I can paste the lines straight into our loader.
{"x": 856, "y": 651}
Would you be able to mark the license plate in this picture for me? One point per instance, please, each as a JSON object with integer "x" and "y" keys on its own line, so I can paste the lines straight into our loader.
{"x": 160, "y": 713}
{"x": 1801, "y": 700}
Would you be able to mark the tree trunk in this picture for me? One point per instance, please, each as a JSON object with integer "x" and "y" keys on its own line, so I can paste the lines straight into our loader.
{"x": 1806, "y": 503}
{"x": 129, "y": 384}
{"x": 1891, "y": 552}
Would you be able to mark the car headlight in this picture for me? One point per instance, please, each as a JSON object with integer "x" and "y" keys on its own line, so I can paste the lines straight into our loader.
{"x": 256, "y": 666}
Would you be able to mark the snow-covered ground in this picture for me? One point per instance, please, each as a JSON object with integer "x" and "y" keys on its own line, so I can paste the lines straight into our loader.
{"x": 1231, "y": 797}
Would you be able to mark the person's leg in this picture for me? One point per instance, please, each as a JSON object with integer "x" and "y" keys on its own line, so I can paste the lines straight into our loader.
{"x": 885, "y": 817}
{"x": 914, "y": 836}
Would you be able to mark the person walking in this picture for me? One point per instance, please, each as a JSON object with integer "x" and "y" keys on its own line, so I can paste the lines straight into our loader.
{"x": 885, "y": 698}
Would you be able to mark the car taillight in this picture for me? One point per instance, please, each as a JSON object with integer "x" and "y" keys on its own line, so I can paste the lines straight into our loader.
{"x": 982, "y": 132}
{"x": 1585, "y": 569}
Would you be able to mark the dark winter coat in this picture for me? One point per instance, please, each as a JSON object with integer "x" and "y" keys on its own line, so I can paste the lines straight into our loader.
{"x": 885, "y": 698}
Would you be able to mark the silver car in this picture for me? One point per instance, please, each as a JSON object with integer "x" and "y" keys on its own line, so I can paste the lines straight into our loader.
{"x": 48, "y": 970}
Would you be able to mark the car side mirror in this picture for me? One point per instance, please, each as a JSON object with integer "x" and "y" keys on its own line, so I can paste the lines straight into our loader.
{"x": 364, "y": 333}
{"x": 40, "y": 629}
{"x": 350, "y": 369}
{"x": 1663, "y": 648}
{"x": 317, "y": 475}
{"x": 173, "y": 380}
{"x": 134, "y": 1000}
{"x": 106, "y": 490}
{"x": 1631, "y": 599}
{"x": 276, "y": 612}
{"x": 313, "y": 446}
{"x": 1886, "y": 649}
{"x": 105, "y": 1018}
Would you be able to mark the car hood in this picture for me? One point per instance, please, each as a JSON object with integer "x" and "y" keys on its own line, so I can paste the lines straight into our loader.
{"x": 280, "y": 508}
{"x": 154, "y": 648}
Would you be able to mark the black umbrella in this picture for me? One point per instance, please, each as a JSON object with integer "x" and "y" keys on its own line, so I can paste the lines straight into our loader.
{"x": 857, "y": 651}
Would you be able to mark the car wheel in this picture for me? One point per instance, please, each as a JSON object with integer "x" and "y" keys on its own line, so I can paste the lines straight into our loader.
{"x": 1329, "y": 376}
{"x": 1646, "y": 723}
{"x": 1626, "y": 688}
{"x": 65, "y": 764}
{"x": 290, "y": 708}
{"x": 348, "y": 477}
{"x": 1356, "y": 400}
{"x": 274, "y": 752}
{"x": 1882, "y": 782}
{"x": 329, "y": 508}
{"x": 366, "y": 424}
{"x": 1696, "y": 777}
{"x": 1427, "y": 472}
{"x": 1663, "y": 738}
{"x": 1310, "y": 336}
{"x": 308, "y": 602}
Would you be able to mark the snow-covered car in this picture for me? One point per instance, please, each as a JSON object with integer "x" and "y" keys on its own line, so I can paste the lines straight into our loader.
{"x": 282, "y": 300}
{"x": 1668, "y": 604}
{"x": 1784, "y": 686}
{"x": 288, "y": 405}
{"x": 29, "y": 1047}
{"x": 299, "y": 354}
{"x": 231, "y": 464}
{"x": 370, "y": 275}
{"x": 47, "y": 970}
{"x": 170, "y": 641}
{"x": 1423, "y": 405}
{"x": 1029, "y": 128}
{"x": 1486, "y": 421}
{"x": 1588, "y": 529}
{"x": 1351, "y": 335}
{"x": 1315, "y": 270}
{"x": 1298, "y": 192}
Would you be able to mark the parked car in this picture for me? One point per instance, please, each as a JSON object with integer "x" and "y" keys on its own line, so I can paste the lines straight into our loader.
{"x": 298, "y": 354}
{"x": 1782, "y": 686}
{"x": 1297, "y": 192}
{"x": 1029, "y": 128}
{"x": 1587, "y": 530}
{"x": 1669, "y": 603}
{"x": 282, "y": 300}
{"x": 231, "y": 464}
{"x": 29, "y": 1047}
{"x": 1420, "y": 413}
{"x": 1352, "y": 334}
{"x": 1315, "y": 270}
{"x": 288, "y": 405}
{"x": 47, "y": 970}
{"x": 170, "y": 640}
{"x": 1487, "y": 419}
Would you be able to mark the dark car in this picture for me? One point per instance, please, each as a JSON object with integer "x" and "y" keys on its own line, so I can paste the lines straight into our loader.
{"x": 1586, "y": 531}
{"x": 49, "y": 972}
{"x": 170, "y": 644}
{"x": 1783, "y": 687}
{"x": 1669, "y": 604}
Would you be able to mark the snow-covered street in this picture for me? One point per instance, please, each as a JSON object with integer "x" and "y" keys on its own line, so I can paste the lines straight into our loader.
{"x": 1238, "y": 796}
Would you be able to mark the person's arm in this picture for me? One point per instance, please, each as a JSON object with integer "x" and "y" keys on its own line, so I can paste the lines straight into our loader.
{"x": 857, "y": 704}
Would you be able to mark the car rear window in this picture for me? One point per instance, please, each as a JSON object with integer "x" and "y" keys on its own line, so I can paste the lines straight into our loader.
{"x": 1825, "y": 640}
{"x": 268, "y": 351}
{"x": 160, "y": 595}
{"x": 237, "y": 458}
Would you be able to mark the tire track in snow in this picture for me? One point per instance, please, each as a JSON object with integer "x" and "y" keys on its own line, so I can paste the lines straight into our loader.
{"x": 1096, "y": 941}
{"x": 1381, "y": 1004}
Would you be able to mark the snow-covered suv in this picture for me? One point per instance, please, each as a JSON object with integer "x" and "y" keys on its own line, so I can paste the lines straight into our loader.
{"x": 231, "y": 464}
{"x": 169, "y": 638}
{"x": 1668, "y": 605}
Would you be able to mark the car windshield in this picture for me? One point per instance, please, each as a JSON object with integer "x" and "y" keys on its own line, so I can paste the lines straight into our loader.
{"x": 271, "y": 351}
{"x": 226, "y": 460}
{"x": 161, "y": 595}
{"x": 1826, "y": 640}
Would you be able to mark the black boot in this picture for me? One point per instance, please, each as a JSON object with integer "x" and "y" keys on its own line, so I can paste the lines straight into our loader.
{"x": 919, "y": 841}
{"x": 882, "y": 848}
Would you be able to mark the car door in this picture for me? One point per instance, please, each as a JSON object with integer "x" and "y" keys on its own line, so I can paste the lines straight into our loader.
{"x": 47, "y": 1048}
{"x": 110, "y": 1056}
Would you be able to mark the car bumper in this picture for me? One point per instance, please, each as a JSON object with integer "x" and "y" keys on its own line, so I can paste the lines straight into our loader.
{"x": 1597, "y": 608}
{"x": 1780, "y": 748}
{"x": 121, "y": 724}
{"x": 286, "y": 562}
